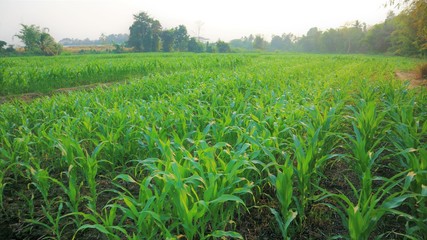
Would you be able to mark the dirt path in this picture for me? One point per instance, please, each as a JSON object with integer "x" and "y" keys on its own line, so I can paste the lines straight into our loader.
{"x": 27, "y": 97}
{"x": 412, "y": 77}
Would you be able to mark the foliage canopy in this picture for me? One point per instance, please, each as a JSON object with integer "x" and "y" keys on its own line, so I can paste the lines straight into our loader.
{"x": 38, "y": 41}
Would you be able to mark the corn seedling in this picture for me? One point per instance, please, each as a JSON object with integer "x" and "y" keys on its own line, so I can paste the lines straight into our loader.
{"x": 361, "y": 219}
{"x": 284, "y": 193}
{"x": 54, "y": 222}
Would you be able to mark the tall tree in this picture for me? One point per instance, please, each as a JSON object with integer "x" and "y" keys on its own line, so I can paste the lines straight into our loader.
{"x": 156, "y": 32}
{"x": 209, "y": 48}
{"x": 245, "y": 43}
{"x": 311, "y": 41}
{"x": 168, "y": 39}
{"x": 418, "y": 15}
{"x": 260, "y": 43}
{"x": 145, "y": 33}
{"x": 410, "y": 35}
{"x": 332, "y": 41}
{"x": 181, "y": 38}
{"x": 222, "y": 47}
{"x": 403, "y": 38}
{"x": 353, "y": 37}
{"x": 378, "y": 37}
{"x": 194, "y": 45}
{"x": 282, "y": 43}
{"x": 277, "y": 43}
{"x": 38, "y": 41}
{"x": 2, "y": 44}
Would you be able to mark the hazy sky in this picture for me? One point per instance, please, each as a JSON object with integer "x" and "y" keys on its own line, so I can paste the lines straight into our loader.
{"x": 224, "y": 19}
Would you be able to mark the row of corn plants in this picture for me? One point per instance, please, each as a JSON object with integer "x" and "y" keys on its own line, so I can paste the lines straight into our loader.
{"x": 39, "y": 74}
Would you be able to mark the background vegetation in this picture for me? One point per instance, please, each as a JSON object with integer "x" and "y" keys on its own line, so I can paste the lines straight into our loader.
{"x": 403, "y": 34}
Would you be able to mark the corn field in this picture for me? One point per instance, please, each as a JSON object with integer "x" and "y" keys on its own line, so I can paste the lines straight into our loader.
{"x": 199, "y": 146}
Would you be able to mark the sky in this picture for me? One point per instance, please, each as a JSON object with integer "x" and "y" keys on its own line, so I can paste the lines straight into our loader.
{"x": 219, "y": 19}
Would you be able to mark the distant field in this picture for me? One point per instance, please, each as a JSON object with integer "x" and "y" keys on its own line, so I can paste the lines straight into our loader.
{"x": 77, "y": 49}
{"x": 205, "y": 146}
{"x": 44, "y": 74}
{"x": 92, "y": 49}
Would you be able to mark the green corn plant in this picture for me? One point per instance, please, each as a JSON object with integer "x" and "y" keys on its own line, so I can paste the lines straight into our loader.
{"x": 18, "y": 153}
{"x": 188, "y": 209}
{"x": 361, "y": 218}
{"x": 364, "y": 154}
{"x": 104, "y": 222}
{"x": 41, "y": 179}
{"x": 416, "y": 227}
{"x": 70, "y": 151}
{"x": 7, "y": 153}
{"x": 229, "y": 182}
{"x": 224, "y": 191}
{"x": 308, "y": 163}
{"x": 416, "y": 160}
{"x": 3, "y": 177}
{"x": 29, "y": 200}
{"x": 143, "y": 210}
{"x": 89, "y": 166}
{"x": 183, "y": 181}
{"x": 73, "y": 193}
{"x": 78, "y": 161}
{"x": 408, "y": 132}
{"x": 224, "y": 234}
{"x": 369, "y": 133}
{"x": 2, "y": 186}
{"x": 284, "y": 193}
{"x": 53, "y": 225}
{"x": 185, "y": 207}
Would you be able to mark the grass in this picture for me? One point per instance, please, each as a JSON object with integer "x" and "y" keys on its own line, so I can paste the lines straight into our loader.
{"x": 197, "y": 146}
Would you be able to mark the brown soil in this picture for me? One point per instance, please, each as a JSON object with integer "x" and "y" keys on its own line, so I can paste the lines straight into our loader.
{"x": 26, "y": 97}
{"x": 413, "y": 77}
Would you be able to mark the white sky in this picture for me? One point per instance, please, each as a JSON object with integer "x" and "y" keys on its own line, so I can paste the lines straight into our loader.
{"x": 223, "y": 19}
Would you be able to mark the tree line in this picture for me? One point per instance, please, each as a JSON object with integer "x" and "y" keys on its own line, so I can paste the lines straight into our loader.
{"x": 402, "y": 34}
{"x": 102, "y": 40}
{"x": 147, "y": 35}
